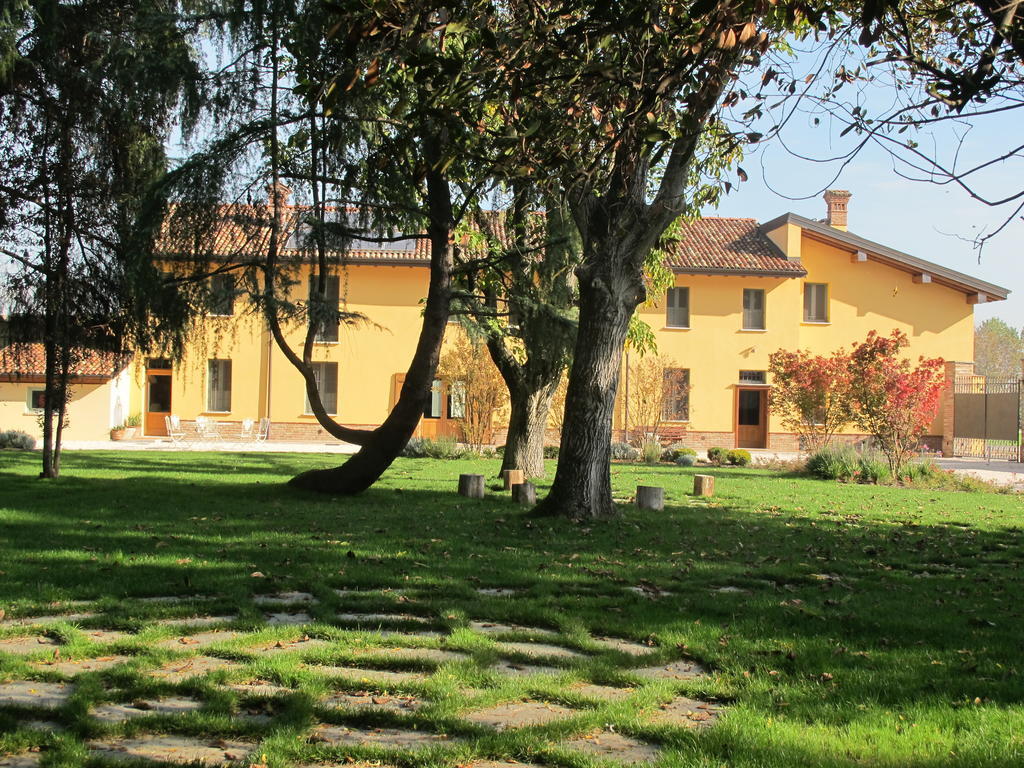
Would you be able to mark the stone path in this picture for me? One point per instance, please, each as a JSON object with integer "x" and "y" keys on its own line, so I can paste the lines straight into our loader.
{"x": 41, "y": 621}
{"x": 535, "y": 645}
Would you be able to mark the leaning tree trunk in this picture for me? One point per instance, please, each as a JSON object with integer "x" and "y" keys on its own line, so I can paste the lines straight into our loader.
{"x": 527, "y": 428}
{"x": 582, "y": 486}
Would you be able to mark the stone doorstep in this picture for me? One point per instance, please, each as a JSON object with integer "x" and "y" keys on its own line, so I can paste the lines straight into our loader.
{"x": 676, "y": 670}
{"x": 540, "y": 650}
{"x": 391, "y": 738}
{"x": 292, "y": 598}
{"x": 491, "y": 628}
{"x": 288, "y": 619}
{"x": 72, "y": 667}
{"x": 24, "y": 646}
{"x": 366, "y": 700}
{"x": 199, "y": 640}
{"x": 28, "y": 693}
{"x": 183, "y": 669}
{"x": 614, "y": 746}
{"x": 173, "y": 749}
{"x": 119, "y": 713}
{"x": 519, "y": 714}
{"x": 682, "y": 712}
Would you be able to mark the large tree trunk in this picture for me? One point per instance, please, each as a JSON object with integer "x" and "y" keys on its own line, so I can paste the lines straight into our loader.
{"x": 582, "y": 486}
{"x": 527, "y": 427}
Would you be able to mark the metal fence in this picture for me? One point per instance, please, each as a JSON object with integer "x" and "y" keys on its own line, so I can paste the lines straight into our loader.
{"x": 987, "y": 417}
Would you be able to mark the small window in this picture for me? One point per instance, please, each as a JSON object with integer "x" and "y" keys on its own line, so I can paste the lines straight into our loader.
{"x": 36, "y": 400}
{"x": 457, "y": 400}
{"x": 222, "y": 295}
{"x": 675, "y": 401}
{"x": 677, "y": 308}
{"x": 753, "y": 309}
{"x": 433, "y": 409}
{"x": 218, "y": 386}
{"x": 324, "y": 312}
{"x": 753, "y": 377}
{"x": 158, "y": 363}
{"x": 815, "y": 302}
{"x": 326, "y": 375}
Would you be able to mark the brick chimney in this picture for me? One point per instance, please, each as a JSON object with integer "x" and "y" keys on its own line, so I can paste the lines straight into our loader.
{"x": 278, "y": 194}
{"x": 837, "y": 201}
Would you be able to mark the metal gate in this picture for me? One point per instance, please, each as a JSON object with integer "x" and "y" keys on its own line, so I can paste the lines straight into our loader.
{"x": 987, "y": 418}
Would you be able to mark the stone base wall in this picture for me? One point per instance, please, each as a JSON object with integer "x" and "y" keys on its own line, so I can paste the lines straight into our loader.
{"x": 280, "y": 431}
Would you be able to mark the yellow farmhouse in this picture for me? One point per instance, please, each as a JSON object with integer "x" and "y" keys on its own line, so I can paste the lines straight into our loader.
{"x": 742, "y": 290}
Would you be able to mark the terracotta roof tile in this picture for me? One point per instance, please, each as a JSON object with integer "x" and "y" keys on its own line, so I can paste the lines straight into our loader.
{"x": 29, "y": 360}
{"x": 724, "y": 246}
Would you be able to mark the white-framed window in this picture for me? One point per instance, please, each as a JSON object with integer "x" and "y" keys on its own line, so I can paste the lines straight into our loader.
{"x": 677, "y": 308}
{"x": 753, "y": 377}
{"x": 325, "y": 313}
{"x": 222, "y": 295}
{"x": 815, "y": 302}
{"x": 675, "y": 401}
{"x": 35, "y": 400}
{"x": 433, "y": 409}
{"x": 218, "y": 386}
{"x": 326, "y": 375}
{"x": 753, "y": 309}
{"x": 457, "y": 400}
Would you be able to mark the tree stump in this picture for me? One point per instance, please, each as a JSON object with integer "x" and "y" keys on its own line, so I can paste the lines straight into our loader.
{"x": 513, "y": 477}
{"x": 650, "y": 497}
{"x": 524, "y": 493}
{"x": 471, "y": 486}
{"x": 703, "y": 485}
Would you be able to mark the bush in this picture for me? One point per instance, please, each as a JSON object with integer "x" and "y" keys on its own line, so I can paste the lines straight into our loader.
{"x": 550, "y": 451}
{"x": 738, "y": 457}
{"x": 624, "y": 452}
{"x": 674, "y": 451}
{"x": 686, "y": 460}
{"x": 426, "y": 448}
{"x": 651, "y": 452}
{"x": 920, "y": 471}
{"x": 844, "y": 462}
{"x": 717, "y": 455}
{"x": 18, "y": 441}
{"x": 500, "y": 450}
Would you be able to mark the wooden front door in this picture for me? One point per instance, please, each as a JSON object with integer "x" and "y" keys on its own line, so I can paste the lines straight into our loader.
{"x": 752, "y": 417}
{"x": 438, "y": 419}
{"x": 158, "y": 397}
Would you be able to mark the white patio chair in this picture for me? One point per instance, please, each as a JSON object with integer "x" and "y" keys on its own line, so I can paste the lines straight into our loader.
{"x": 263, "y": 431}
{"x": 176, "y": 432}
{"x": 248, "y": 431}
{"x": 207, "y": 430}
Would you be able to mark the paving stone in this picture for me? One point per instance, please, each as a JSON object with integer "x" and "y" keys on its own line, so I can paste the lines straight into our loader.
{"x": 676, "y": 670}
{"x": 370, "y": 675}
{"x": 501, "y": 764}
{"x": 498, "y": 591}
{"x": 28, "y": 693}
{"x": 540, "y": 650}
{"x": 183, "y": 669}
{"x": 119, "y": 713}
{"x": 519, "y": 714}
{"x": 72, "y": 667}
{"x": 601, "y": 692}
{"x": 515, "y": 669}
{"x": 346, "y": 764}
{"x": 291, "y": 646}
{"x": 173, "y": 749}
{"x": 363, "y": 592}
{"x": 261, "y": 688}
{"x": 35, "y": 621}
{"x": 393, "y": 635}
{"x": 682, "y": 712}
{"x": 381, "y": 618}
{"x": 106, "y": 636}
{"x": 490, "y": 628}
{"x": 288, "y": 619}
{"x": 43, "y": 726}
{"x": 650, "y": 592}
{"x": 614, "y": 746}
{"x": 624, "y": 646}
{"x": 199, "y": 640}
{"x": 195, "y": 621}
{"x": 23, "y": 760}
{"x": 436, "y": 655}
{"x": 24, "y": 646}
{"x": 169, "y": 598}
{"x": 365, "y": 700}
{"x": 393, "y": 738}
{"x": 284, "y": 597}
{"x": 730, "y": 590}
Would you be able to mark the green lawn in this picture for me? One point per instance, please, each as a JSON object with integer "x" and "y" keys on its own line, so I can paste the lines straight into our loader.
{"x": 862, "y": 625}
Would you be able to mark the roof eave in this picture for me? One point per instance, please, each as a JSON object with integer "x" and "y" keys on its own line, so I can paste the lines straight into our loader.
{"x": 738, "y": 272}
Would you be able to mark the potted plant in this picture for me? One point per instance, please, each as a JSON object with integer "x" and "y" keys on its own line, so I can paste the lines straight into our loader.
{"x": 132, "y": 424}
{"x": 118, "y": 432}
